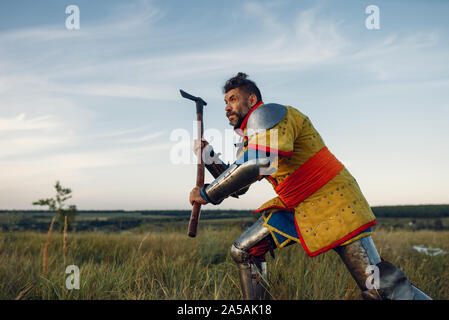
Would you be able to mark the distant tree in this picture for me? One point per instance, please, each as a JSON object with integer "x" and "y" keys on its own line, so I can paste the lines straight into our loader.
{"x": 58, "y": 204}
{"x": 438, "y": 224}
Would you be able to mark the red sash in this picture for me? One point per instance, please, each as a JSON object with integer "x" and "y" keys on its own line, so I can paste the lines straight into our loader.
{"x": 309, "y": 178}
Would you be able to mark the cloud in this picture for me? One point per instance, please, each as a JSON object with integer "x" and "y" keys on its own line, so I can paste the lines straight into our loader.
{"x": 145, "y": 138}
{"x": 262, "y": 13}
{"x": 394, "y": 57}
{"x": 22, "y": 136}
{"x": 57, "y": 60}
{"x": 120, "y": 132}
{"x": 33, "y": 162}
{"x": 21, "y": 123}
{"x": 308, "y": 41}
{"x": 122, "y": 90}
{"x": 59, "y": 89}
{"x": 123, "y": 21}
{"x": 108, "y": 157}
{"x": 28, "y": 145}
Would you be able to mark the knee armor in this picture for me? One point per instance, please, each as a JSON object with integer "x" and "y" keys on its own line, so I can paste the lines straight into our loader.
{"x": 253, "y": 273}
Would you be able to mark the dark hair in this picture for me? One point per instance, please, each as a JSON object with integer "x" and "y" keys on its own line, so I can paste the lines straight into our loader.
{"x": 241, "y": 81}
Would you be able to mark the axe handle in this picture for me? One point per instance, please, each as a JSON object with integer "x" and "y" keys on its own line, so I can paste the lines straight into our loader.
{"x": 195, "y": 215}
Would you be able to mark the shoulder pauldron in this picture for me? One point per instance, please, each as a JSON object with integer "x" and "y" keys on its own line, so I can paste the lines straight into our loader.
{"x": 265, "y": 117}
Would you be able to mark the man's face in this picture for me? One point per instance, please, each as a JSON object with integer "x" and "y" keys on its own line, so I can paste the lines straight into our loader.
{"x": 238, "y": 104}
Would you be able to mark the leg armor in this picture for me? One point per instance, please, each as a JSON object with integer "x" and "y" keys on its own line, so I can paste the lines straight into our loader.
{"x": 360, "y": 257}
{"x": 252, "y": 266}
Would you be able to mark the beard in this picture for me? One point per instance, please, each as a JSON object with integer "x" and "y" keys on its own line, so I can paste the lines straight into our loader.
{"x": 238, "y": 118}
{"x": 236, "y": 121}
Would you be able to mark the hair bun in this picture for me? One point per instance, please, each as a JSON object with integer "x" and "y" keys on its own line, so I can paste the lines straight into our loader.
{"x": 242, "y": 75}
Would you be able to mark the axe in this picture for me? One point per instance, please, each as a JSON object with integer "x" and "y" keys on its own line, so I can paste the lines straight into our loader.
{"x": 195, "y": 215}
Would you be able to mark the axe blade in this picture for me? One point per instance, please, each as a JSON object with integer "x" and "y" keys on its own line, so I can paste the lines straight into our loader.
{"x": 193, "y": 98}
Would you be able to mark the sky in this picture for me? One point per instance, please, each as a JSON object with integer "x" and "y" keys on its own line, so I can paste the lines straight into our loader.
{"x": 98, "y": 108}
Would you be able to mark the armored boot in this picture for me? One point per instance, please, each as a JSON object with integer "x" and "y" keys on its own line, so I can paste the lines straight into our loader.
{"x": 253, "y": 270}
{"x": 254, "y": 281}
{"x": 378, "y": 280}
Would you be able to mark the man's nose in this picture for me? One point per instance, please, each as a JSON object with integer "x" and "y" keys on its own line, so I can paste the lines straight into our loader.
{"x": 228, "y": 108}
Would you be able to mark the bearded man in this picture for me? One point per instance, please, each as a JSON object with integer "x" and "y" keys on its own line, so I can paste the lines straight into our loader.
{"x": 319, "y": 203}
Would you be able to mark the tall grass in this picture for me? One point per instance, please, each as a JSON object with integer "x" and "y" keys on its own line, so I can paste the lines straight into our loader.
{"x": 169, "y": 265}
{"x": 46, "y": 246}
{"x": 64, "y": 243}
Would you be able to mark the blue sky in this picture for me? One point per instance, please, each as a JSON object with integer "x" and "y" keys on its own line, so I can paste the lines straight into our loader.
{"x": 96, "y": 108}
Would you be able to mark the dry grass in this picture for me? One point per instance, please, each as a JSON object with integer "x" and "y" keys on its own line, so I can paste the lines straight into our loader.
{"x": 46, "y": 246}
{"x": 173, "y": 266}
{"x": 64, "y": 247}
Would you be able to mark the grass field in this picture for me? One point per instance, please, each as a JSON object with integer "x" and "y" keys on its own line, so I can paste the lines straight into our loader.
{"x": 144, "y": 264}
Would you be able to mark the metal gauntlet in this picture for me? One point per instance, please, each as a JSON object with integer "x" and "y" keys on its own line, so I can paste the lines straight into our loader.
{"x": 233, "y": 179}
{"x": 213, "y": 163}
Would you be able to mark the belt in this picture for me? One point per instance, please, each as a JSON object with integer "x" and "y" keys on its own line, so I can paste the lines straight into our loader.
{"x": 316, "y": 172}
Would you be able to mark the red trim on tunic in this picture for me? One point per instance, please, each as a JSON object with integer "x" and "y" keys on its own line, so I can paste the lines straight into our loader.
{"x": 243, "y": 125}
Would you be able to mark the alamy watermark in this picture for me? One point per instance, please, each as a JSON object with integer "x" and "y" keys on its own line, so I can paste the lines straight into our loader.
{"x": 372, "y": 22}
{"x": 373, "y": 280}
{"x": 73, "y": 280}
{"x": 265, "y": 141}
{"x": 72, "y": 22}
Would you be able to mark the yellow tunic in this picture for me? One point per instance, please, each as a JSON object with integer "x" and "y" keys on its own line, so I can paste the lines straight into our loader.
{"x": 334, "y": 215}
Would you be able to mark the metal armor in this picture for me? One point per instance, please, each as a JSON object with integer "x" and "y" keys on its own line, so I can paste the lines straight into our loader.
{"x": 253, "y": 274}
{"x": 265, "y": 117}
{"x": 216, "y": 167}
{"x": 233, "y": 179}
{"x": 213, "y": 163}
{"x": 360, "y": 256}
{"x": 236, "y": 178}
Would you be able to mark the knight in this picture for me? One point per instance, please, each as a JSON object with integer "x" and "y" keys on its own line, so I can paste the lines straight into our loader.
{"x": 319, "y": 204}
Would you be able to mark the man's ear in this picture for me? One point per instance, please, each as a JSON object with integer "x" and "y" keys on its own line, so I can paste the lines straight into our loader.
{"x": 252, "y": 100}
